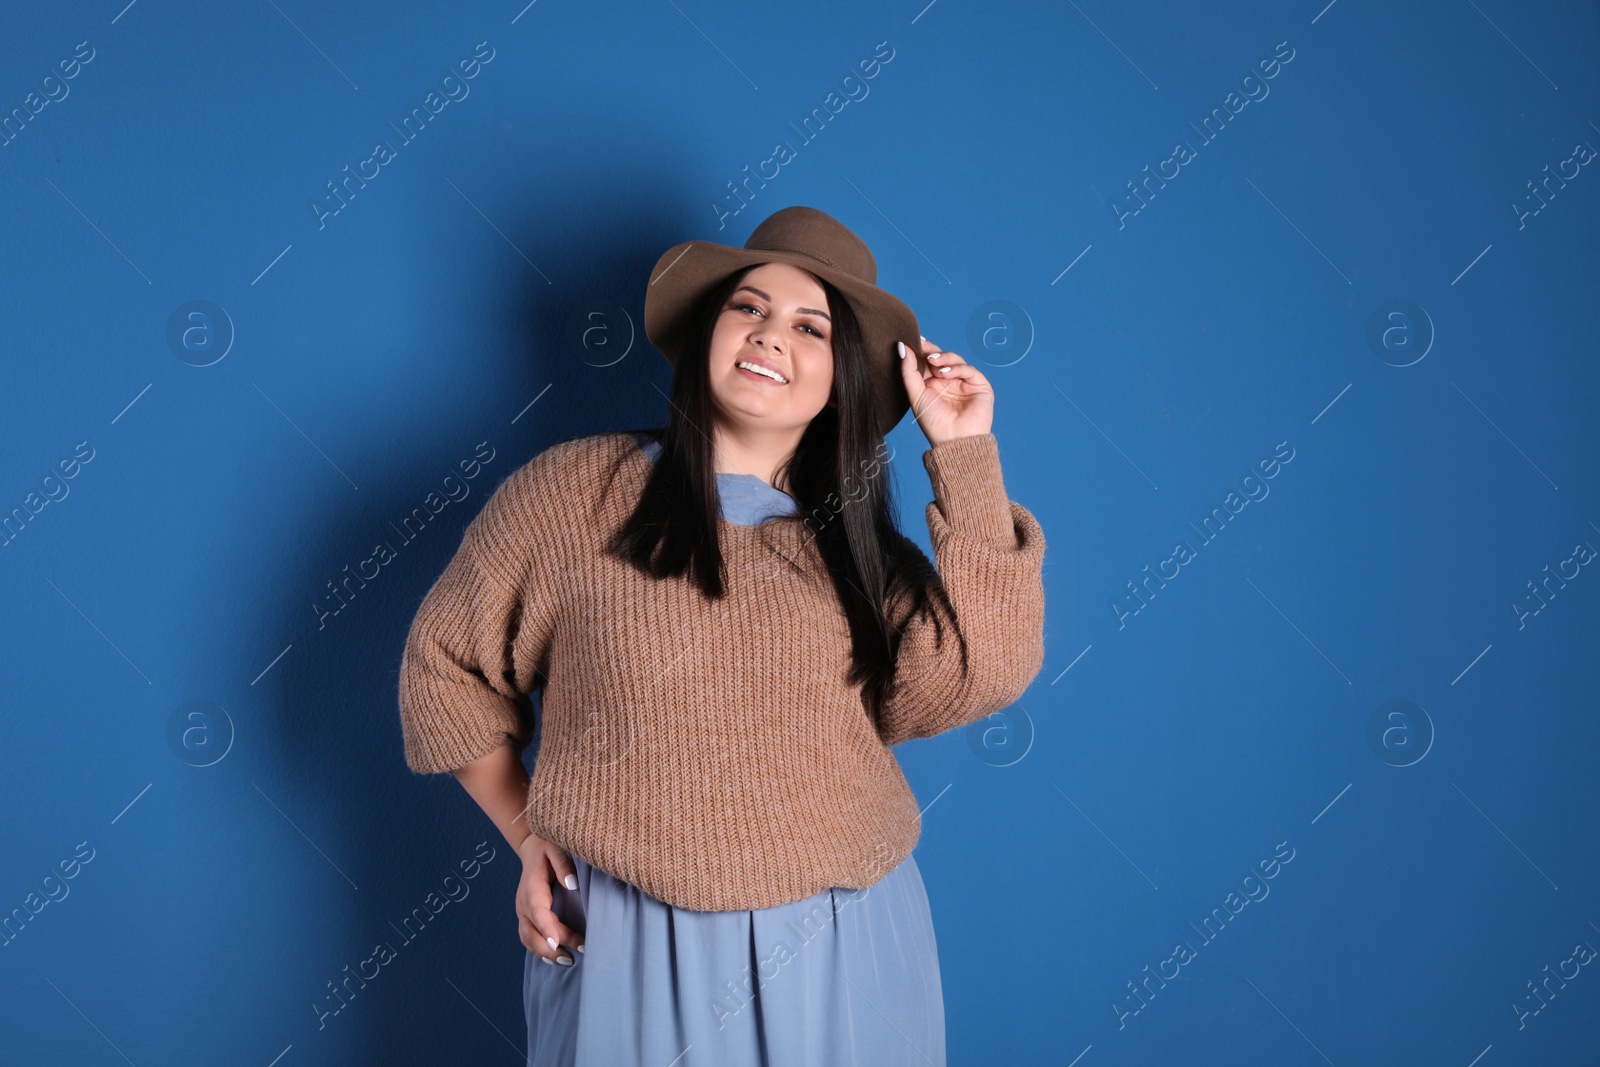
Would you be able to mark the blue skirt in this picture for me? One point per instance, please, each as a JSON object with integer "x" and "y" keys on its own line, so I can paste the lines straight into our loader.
{"x": 848, "y": 978}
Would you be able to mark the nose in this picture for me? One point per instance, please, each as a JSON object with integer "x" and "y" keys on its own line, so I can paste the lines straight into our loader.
{"x": 765, "y": 336}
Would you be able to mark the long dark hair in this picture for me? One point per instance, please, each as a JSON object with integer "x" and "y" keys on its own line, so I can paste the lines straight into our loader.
{"x": 838, "y": 474}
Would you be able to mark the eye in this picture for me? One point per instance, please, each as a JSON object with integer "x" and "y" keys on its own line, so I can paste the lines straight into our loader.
{"x": 755, "y": 310}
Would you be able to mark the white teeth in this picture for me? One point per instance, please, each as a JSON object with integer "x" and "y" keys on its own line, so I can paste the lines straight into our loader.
{"x": 757, "y": 368}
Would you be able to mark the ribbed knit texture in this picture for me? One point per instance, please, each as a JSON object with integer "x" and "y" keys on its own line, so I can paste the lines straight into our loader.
{"x": 711, "y": 752}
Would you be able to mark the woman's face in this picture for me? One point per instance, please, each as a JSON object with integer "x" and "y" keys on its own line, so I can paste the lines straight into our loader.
{"x": 778, "y": 316}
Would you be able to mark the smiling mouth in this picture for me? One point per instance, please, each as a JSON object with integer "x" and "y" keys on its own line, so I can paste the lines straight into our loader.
{"x": 762, "y": 372}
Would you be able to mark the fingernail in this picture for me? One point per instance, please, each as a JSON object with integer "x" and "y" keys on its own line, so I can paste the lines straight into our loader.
{"x": 565, "y": 961}
{"x": 901, "y": 345}
{"x": 580, "y": 948}
{"x": 935, "y": 355}
{"x": 570, "y": 881}
{"x": 552, "y": 942}
{"x": 945, "y": 369}
{"x": 546, "y": 959}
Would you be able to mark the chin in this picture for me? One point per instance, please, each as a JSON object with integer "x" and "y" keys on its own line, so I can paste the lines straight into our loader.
{"x": 771, "y": 416}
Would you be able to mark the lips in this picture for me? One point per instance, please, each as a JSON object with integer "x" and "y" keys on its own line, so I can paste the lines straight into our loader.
{"x": 767, "y": 363}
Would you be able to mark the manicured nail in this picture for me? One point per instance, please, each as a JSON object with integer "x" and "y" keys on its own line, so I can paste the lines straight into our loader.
{"x": 901, "y": 345}
{"x": 546, "y": 959}
{"x": 565, "y": 961}
{"x": 946, "y": 369}
{"x": 570, "y": 881}
{"x": 552, "y": 942}
{"x": 580, "y": 948}
{"x": 935, "y": 355}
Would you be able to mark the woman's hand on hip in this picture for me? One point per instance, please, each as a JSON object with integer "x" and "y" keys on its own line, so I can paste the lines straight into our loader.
{"x": 541, "y": 930}
{"x": 949, "y": 397}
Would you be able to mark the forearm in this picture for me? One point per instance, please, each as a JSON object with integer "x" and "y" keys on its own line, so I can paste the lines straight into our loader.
{"x": 500, "y": 786}
{"x": 979, "y": 643}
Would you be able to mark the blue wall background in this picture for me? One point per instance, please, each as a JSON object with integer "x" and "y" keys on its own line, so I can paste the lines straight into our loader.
{"x": 1375, "y": 684}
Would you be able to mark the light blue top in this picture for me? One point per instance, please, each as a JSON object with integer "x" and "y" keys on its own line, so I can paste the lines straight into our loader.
{"x": 746, "y": 499}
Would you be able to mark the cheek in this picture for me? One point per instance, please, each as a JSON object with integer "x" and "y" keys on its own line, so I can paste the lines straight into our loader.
{"x": 819, "y": 374}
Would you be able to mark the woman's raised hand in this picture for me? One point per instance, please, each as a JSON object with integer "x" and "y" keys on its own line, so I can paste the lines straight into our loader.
{"x": 949, "y": 397}
{"x": 541, "y": 930}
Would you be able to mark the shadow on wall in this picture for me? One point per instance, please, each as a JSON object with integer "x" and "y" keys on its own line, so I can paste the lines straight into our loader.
{"x": 445, "y": 910}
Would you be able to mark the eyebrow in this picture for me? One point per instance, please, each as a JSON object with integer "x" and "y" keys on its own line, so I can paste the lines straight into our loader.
{"x": 768, "y": 299}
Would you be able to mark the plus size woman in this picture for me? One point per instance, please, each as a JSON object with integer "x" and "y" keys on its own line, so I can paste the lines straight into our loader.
{"x": 728, "y": 633}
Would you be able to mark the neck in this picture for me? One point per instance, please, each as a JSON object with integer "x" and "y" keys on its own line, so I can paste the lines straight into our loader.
{"x": 755, "y": 452}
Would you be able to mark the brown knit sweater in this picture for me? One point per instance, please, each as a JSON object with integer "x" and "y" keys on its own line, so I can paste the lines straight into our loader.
{"x": 710, "y": 752}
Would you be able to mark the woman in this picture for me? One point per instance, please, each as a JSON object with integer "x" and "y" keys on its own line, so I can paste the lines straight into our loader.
{"x": 728, "y": 633}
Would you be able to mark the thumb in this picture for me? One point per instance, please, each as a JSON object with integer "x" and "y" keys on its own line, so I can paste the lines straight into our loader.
{"x": 911, "y": 374}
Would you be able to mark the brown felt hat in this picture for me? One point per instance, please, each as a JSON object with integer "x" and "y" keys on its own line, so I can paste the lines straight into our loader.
{"x": 813, "y": 241}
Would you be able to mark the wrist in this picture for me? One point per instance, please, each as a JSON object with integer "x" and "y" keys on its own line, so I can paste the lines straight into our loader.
{"x": 944, "y": 439}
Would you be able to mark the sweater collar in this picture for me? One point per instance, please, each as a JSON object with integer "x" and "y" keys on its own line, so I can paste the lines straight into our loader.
{"x": 790, "y": 542}
{"x": 746, "y": 499}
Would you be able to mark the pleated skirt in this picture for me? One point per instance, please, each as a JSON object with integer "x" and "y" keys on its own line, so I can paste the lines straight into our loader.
{"x": 846, "y": 978}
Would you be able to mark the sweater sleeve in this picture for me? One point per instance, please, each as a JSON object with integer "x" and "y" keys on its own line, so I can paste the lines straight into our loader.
{"x": 480, "y": 637}
{"x": 978, "y": 642}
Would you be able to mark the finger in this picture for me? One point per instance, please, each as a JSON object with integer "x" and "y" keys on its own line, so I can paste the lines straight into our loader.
{"x": 554, "y": 934}
{"x": 565, "y": 870}
{"x": 942, "y": 359}
{"x": 931, "y": 354}
{"x": 532, "y": 902}
{"x": 911, "y": 374}
{"x": 533, "y": 896}
{"x": 565, "y": 936}
{"x": 567, "y": 874}
{"x": 532, "y": 940}
{"x": 951, "y": 381}
{"x": 537, "y": 941}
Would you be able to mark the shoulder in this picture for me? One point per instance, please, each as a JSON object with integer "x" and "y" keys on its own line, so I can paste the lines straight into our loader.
{"x": 558, "y": 488}
{"x": 582, "y": 456}
{"x": 542, "y": 508}
{"x": 568, "y": 470}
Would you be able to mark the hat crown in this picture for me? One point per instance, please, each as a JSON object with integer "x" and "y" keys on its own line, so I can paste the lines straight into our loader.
{"x": 806, "y": 231}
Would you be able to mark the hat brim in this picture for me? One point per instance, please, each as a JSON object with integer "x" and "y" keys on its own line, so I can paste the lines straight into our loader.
{"x": 686, "y": 269}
